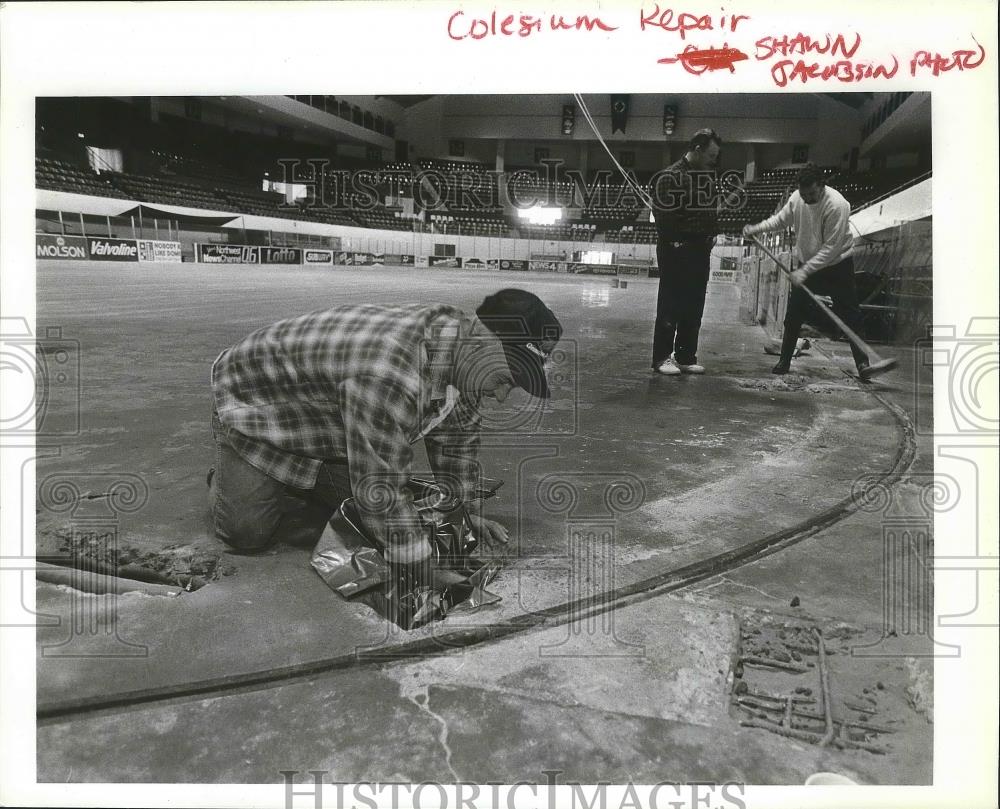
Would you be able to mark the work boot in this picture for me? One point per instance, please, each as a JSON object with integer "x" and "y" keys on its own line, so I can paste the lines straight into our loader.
{"x": 789, "y": 342}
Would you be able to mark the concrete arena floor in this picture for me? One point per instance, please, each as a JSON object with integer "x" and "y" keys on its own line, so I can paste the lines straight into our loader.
{"x": 705, "y": 466}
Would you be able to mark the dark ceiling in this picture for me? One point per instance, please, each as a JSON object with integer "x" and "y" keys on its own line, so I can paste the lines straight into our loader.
{"x": 406, "y": 101}
{"x": 855, "y": 100}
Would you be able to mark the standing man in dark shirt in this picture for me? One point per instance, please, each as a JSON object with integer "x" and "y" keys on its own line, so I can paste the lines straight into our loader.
{"x": 684, "y": 206}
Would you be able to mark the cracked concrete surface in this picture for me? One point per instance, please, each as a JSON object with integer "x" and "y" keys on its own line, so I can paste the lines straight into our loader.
{"x": 638, "y": 692}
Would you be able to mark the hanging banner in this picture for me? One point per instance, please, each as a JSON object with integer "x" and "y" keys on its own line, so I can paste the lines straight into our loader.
{"x": 420, "y": 261}
{"x": 619, "y": 112}
{"x": 474, "y": 264}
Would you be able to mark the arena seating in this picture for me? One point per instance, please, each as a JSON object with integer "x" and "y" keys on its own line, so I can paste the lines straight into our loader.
{"x": 615, "y": 215}
{"x": 638, "y": 233}
{"x": 199, "y": 171}
{"x": 469, "y": 225}
{"x": 58, "y": 175}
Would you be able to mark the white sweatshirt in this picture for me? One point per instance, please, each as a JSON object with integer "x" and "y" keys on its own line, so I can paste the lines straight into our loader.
{"x": 822, "y": 235}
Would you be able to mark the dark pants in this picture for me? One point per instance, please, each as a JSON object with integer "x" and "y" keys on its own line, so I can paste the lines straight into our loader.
{"x": 835, "y": 281}
{"x": 251, "y": 511}
{"x": 680, "y": 299}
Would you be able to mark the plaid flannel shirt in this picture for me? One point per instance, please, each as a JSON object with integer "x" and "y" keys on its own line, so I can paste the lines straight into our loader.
{"x": 360, "y": 383}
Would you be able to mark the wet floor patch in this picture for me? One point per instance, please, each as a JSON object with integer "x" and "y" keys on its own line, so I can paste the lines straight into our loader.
{"x": 182, "y": 565}
{"x": 797, "y": 383}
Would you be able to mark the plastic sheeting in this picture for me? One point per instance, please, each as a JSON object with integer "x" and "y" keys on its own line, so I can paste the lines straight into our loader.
{"x": 352, "y": 564}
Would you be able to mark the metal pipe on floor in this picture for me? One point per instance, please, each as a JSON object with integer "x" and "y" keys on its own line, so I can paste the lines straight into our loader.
{"x": 99, "y": 583}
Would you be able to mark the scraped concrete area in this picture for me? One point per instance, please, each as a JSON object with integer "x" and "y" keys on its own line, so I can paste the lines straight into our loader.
{"x": 669, "y": 514}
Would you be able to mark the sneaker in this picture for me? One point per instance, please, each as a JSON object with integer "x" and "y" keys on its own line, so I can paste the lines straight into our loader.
{"x": 668, "y": 367}
{"x": 693, "y": 368}
{"x": 781, "y": 368}
{"x": 864, "y": 372}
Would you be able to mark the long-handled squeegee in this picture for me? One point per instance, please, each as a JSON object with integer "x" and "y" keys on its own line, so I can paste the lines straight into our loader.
{"x": 876, "y": 364}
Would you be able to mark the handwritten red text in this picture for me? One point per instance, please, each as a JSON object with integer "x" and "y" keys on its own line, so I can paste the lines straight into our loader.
{"x": 522, "y": 25}
{"x": 937, "y": 63}
{"x": 681, "y": 22}
{"x": 845, "y": 71}
{"x": 800, "y": 44}
{"x": 697, "y": 61}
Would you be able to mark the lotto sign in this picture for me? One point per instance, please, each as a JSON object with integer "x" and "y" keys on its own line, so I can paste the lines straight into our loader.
{"x": 280, "y": 255}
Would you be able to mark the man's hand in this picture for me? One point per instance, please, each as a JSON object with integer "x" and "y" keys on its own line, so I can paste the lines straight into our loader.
{"x": 489, "y": 532}
{"x": 749, "y": 230}
{"x": 798, "y": 278}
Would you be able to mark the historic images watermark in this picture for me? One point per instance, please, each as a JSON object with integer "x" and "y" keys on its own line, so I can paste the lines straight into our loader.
{"x": 315, "y": 789}
{"x": 483, "y": 190}
{"x": 961, "y": 369}
{"x": 42, "y": 383}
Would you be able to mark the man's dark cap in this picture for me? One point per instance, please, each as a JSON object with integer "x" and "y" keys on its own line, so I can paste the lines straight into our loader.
{"x": 528, "y": 330}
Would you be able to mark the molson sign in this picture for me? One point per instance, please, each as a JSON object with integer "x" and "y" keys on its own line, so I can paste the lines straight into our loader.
{"x": 114, "y": 249}
{"x": 66, "y": 247}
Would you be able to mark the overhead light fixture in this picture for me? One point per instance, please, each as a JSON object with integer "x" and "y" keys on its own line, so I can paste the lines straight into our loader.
{"x": 80, "y": 135}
